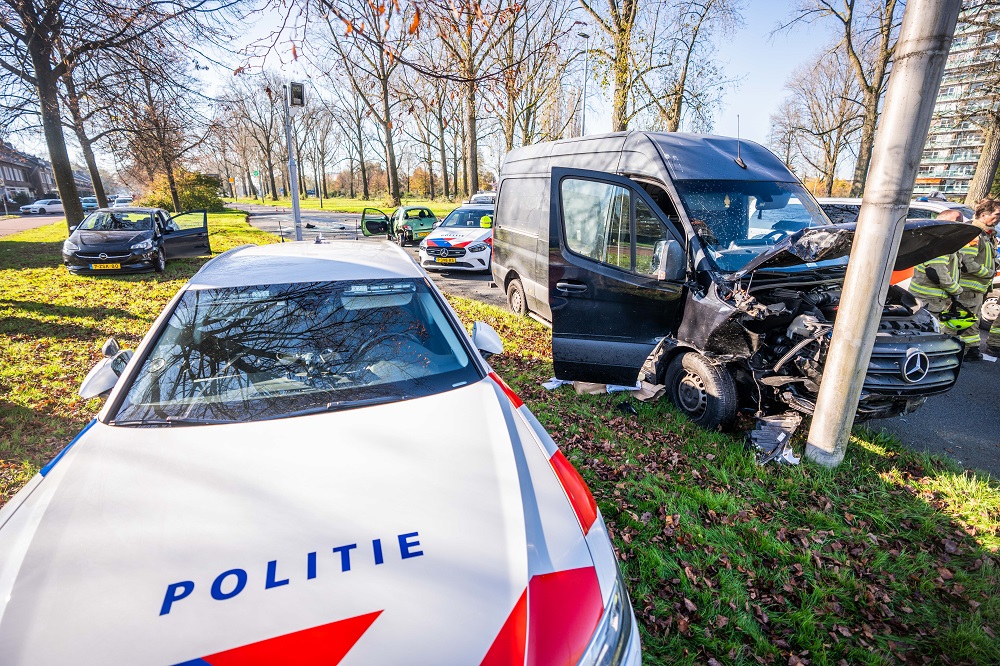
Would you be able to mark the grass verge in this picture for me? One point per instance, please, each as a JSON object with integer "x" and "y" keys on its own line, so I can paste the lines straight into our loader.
{"x": 892, "y": 558}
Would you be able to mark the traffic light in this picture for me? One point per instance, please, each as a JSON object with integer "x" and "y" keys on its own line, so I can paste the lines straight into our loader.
{"x": 297, "y": 94}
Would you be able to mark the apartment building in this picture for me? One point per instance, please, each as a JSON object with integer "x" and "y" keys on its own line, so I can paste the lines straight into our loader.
{"x": 955, "y": 141}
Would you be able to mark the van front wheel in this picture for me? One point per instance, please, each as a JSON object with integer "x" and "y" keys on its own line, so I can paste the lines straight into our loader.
{"x": 705, "y": 392}
{"x": 515, "y": 298}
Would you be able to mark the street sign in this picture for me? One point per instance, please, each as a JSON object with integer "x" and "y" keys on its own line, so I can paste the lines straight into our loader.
{"x": 232, "y": 180}
{"x": 297, "y": 94}
{"x": 256, "y": 173}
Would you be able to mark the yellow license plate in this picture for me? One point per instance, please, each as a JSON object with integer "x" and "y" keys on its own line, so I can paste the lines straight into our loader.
{"x": 99, "y": 267}
{"x": 422, "y": 234}
{"x": 444, "y": 260}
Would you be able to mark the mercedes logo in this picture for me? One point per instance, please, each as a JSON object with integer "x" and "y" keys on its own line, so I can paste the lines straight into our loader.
{"x": 103, "y": 256}
{"x": 915, "y": 366}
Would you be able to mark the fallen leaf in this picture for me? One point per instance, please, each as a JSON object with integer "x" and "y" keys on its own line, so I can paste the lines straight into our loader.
{"x": 692, "y": 608}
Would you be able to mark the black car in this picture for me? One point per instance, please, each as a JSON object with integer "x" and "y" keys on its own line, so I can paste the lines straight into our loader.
{"x": 131, "y": 240}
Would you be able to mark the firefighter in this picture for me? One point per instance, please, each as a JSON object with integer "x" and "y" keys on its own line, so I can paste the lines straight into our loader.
{"x": 977, "y": 265}
{"x": 936, "y": 283}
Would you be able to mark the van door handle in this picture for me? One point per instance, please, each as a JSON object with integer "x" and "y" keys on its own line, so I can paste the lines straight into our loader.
{"x": 571, "y": 287}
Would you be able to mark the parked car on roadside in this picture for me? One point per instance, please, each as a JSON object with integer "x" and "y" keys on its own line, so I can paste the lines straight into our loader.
{"x": 131, "y": 240}
{"x": 696, "y": 270}
{"x": 404, "y": 225}
{"x": 89, "y": 204}
{"x": 845, "y": 209}
{"x": 487, "y": 197}
{"x": 463, "y": 241}
{"x": 170, "y": 532}
{"x": 122, "y": 202}
{"x": 43, "y": 207}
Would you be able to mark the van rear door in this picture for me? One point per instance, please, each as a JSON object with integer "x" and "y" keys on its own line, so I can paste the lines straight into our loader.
{"x": 611, "y": 299}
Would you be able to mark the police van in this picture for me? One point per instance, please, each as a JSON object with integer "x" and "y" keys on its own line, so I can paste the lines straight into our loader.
{"x": 702, "y": 263}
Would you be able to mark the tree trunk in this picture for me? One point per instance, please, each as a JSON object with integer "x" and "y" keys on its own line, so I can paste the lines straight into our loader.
{"x": 867, "y": 143}
{"x": 350, "y": 180}
{"x": 621, "y": 73}
{"x": 390, "y": 150}
{"x": 48, "y": 98}
{"x": 95, "y": 174}
{"x": 270, "y": 174}
{"x": 986, "y": 169}
{"x": 430, "y": 167}
{"x": 473, "y": 142}
{"x": 465, "y": 155}
{"x": 172, "y": 183}
{"x": 444, "y": 154}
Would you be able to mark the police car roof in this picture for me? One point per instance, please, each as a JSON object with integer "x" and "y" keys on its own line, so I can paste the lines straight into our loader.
{"x": 285, "y": 263}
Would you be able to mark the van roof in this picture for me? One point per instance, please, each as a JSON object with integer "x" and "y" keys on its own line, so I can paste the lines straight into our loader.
{"x": 659, "y": 155}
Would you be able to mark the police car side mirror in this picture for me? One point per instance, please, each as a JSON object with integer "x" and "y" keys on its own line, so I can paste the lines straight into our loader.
{"x": 486, "y": 340}
{"x": 103, "y": 376}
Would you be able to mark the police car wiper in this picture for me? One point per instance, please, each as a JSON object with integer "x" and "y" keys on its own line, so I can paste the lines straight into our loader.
{"x": 171, "y": 421}
{"x": 339, "y": 405}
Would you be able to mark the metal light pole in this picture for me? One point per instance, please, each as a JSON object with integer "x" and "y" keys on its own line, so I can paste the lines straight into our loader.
{"x": 293, "y": 169}
{"x": 924, "y": 40}
{"x": 586, "y": 74}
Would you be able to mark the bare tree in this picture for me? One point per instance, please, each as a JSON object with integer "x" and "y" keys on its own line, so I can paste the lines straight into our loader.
{"x": 868, "y": 31}
{"x": 255, "y": 101}
{"x": 30, "y": 31}
{"x": 783, "y": 136}
{"x": 824, "y": 101}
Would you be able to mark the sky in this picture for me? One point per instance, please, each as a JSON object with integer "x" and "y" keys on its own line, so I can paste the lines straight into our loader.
{"x": 760, "y": 61}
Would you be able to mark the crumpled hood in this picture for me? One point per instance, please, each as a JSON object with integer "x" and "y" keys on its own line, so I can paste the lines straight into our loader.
{"x": 100, "y": 240}
{"x": 163, "y": 545}
{"x": 922, "y": 240}
{"x": 458, "y": 236}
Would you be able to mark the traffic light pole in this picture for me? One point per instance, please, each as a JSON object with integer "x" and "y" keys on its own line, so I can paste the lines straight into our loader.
{"x": 293, "y": 169}
{"x": 921, "y": 52}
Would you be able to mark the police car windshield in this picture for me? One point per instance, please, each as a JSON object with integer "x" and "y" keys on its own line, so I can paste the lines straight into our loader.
{"x": 263, "y": 352}
{"x": 737, "y": 220}
{"x": 466, "y": 218}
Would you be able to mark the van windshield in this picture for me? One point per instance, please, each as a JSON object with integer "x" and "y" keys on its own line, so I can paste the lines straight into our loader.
{"x": 740, "y": 219}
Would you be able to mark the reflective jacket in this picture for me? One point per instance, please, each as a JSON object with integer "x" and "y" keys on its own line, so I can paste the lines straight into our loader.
{"x": 937, "y": 278}
{"x": 977, "y": 262}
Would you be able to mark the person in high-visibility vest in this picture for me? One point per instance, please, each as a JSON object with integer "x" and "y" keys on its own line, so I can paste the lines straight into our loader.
{"x": 977, "y": 266}
{"x": 936, "y": 282}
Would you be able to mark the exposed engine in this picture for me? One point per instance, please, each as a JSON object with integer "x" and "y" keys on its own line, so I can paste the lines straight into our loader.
{"x": 790, "y": 331}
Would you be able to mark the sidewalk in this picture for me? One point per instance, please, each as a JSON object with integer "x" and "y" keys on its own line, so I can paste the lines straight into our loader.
{"x": 15, "y": 224}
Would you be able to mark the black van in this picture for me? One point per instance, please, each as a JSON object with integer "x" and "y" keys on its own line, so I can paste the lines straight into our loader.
{"x": 702, "y": 263}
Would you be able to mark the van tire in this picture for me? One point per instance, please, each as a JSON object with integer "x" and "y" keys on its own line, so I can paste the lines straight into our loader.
{"x": 515, "y": 298}
{"x": 704, "y": 391}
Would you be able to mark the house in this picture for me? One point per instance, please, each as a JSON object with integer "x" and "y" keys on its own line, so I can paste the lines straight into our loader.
{"x": 16, "y": 169}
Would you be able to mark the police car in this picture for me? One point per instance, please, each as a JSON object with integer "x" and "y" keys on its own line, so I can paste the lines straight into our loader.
{"x": 255, "y": 490}
{"x": 463, "y": 241}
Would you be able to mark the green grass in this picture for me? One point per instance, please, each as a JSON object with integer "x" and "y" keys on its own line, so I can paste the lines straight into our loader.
{"x": 891, "y": 558}
{"x": 344, "y": 205}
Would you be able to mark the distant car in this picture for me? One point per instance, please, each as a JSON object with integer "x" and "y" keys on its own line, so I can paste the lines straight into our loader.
{"x": 489, "y": 197}
{"x": 464, "y": 241}
{"x": 89, "y": 204}
{"x": 843, "y": 210}
{"x": 43, "y": 207}
{"x": 121, "y": 202}
{"x": 405, "y": 225}
{"x": 170, "y": 531}
{"x": 132, "y": 240}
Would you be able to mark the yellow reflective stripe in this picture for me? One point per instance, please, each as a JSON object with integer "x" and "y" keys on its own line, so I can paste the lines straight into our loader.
{"x": 921, "y": 290}
{"x": 970, "y": 339}
{"x": 974, "y": 286}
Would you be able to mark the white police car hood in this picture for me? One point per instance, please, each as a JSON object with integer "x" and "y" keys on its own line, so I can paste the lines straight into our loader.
{"x": 385, "y": 534}
{"x": 458, "y": 236}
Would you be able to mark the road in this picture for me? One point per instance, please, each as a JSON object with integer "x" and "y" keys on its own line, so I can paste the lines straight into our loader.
{"x": 13, "y": 225}
{"x": 345, "y": 226}
{"x": 963, "y": 424}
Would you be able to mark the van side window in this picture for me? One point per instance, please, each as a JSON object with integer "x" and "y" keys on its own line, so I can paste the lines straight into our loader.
{"x": 648, "y": 232}
{"x": 596, "y": 221}
{"x": 523, "y": 205}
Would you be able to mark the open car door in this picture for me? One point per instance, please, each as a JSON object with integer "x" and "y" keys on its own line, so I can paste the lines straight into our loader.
{"x": 374, "y": 222}
{"x": 186, "y": 234}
